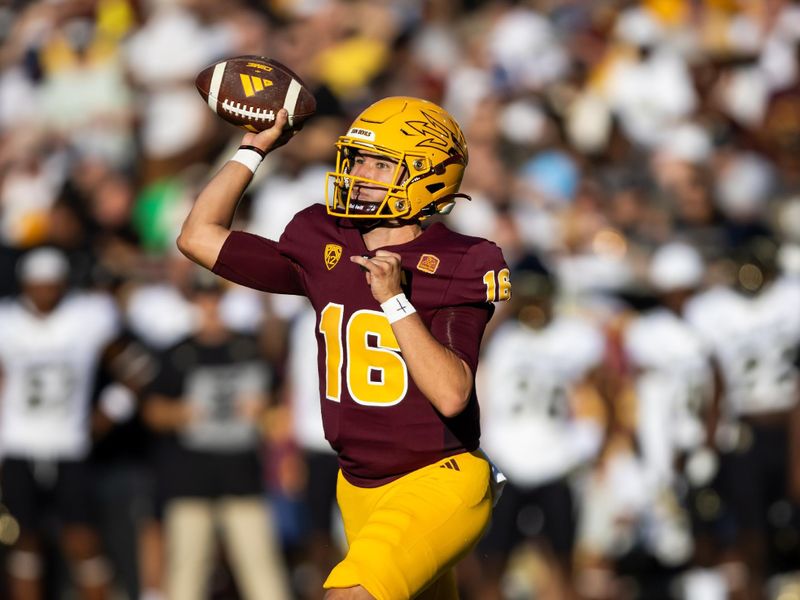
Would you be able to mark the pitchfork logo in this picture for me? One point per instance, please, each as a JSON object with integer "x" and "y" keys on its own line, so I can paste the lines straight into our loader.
{"x": 436, "y": 134}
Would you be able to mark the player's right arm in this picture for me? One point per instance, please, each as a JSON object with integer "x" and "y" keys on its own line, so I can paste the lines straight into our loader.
{"x": 166, "y": 414}
{"x": 208, "y": 224}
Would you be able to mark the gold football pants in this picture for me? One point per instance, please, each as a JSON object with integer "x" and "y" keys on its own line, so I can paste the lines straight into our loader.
{"x": 405, "y": 536}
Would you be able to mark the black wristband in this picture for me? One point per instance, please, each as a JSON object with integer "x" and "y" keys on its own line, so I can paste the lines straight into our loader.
{"x": 260, "y": 152}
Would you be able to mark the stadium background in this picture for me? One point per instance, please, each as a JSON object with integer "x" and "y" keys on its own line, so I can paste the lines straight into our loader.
{"x": 598, "y": 131}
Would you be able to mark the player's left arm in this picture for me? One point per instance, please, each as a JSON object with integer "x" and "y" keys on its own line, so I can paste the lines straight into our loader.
{"x": 129, "y": 368}
{"x": 441, "y": 374}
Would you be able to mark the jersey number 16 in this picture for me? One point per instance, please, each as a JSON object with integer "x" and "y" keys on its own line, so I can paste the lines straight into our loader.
{"x": 376, "y": 374}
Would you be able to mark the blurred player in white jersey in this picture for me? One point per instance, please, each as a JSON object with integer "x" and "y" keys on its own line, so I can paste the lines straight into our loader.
{"x": 49, "y": 350}
{"x": 754, "y": 331}
{"x": 673, "y": 378}
{"x": 539, "y": 394}
{"x": 674, "y": 382}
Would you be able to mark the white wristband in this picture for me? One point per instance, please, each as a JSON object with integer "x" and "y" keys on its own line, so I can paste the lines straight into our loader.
{"x": 249, "y": 158}
{"x": 397, "y": 307}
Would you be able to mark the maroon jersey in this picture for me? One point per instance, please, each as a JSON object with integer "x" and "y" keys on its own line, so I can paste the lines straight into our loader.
{"x": 374, "y": 416}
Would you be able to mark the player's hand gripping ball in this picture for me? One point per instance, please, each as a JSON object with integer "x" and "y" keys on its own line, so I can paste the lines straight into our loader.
{"x": 248, "y": 91}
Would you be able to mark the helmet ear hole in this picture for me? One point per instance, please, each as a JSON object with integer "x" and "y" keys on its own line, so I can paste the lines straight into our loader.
{"x": 434, "y": 187}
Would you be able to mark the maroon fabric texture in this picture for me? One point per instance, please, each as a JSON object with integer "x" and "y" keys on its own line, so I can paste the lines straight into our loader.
{"x": 444, "y": 278}
{"x": 460, "y": 328}
{"x": 255, "y": 262}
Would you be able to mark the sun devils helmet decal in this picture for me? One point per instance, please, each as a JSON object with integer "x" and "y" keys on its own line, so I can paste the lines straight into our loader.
{"x": 435, "y": 134}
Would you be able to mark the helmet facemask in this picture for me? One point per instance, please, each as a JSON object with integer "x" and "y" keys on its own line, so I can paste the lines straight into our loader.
{"x": 343, "y": 187}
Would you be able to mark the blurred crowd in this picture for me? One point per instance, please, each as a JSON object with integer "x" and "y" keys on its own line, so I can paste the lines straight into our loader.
{"x": 637, "y": 161}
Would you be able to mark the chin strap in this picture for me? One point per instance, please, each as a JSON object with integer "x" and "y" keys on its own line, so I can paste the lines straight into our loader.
{"x": 443, "y": 206}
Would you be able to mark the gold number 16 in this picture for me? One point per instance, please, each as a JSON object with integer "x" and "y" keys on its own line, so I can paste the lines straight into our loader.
{"x": 376, "y": 374}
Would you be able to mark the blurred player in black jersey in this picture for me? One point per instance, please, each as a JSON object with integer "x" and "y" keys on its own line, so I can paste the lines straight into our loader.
{"x": 208, "y": 401}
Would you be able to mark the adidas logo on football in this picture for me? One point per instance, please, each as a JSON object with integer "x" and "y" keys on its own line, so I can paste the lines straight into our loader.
{"x": 252, "y": 85}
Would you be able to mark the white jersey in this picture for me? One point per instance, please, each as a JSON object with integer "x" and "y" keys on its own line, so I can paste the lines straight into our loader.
{"x": 755, "y": 341}
{"x": 674, "y": 383}
{"x": 528, "y": 378}
{"x": 304, "y": 384}
{"x": 162, "y": 316}
{"x": 49, "y": 364}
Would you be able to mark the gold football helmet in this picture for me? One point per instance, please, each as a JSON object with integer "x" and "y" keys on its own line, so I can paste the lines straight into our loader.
{"x": 430, "y": 154}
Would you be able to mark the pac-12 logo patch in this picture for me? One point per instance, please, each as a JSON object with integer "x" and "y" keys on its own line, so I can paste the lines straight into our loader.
{"x": 428, "y": 263}
{"x": 333, "y": 252}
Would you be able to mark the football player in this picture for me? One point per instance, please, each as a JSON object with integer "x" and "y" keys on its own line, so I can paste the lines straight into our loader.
{"x": 673, "y": 373}
{"x": 673, "y": 376}
{"x": 50, "y": 347}
{"x": 540, "y": 418}
{"x": 753, "y": 328}
{"x": 401, "y": 310}
{"x": 207, "y": 401}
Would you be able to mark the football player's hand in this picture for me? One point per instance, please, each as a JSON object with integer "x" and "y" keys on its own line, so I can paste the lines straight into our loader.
{"x": 189, "y": 414}
{"x": 250, "y": 407}
{"x": 383, "y": 273}
{"x": 274, "y": 137}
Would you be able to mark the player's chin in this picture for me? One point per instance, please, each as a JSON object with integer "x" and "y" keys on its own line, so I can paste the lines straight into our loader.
{"x": 363, "y": 207}
{"x": 362, "y": 203}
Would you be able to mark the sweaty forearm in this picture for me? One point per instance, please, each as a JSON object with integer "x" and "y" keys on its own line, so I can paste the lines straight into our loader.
{"x": 163, "y": 414}
{"x": 217, "y": 203}
{"x": 208, "y": 224}
{"x": 443, "y": 377}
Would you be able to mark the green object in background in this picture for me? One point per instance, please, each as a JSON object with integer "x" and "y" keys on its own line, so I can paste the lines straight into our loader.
{"x": 156, "y": 212}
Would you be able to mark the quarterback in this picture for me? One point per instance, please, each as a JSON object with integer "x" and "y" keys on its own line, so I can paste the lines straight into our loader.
{"x": 401, "y": 310}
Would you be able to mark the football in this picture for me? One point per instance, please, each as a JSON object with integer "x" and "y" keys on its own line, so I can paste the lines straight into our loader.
{"x": 248, "y": 91}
